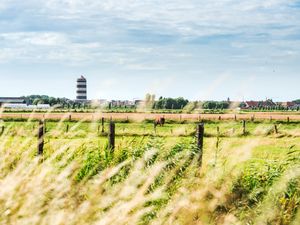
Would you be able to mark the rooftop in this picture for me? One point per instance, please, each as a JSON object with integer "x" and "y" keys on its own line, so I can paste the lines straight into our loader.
{"x": 82, "y": 78}
{"x": 12, "y": 100}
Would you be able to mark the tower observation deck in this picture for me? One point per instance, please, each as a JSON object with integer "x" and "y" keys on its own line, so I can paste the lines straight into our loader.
{"x": 81, "y": 92}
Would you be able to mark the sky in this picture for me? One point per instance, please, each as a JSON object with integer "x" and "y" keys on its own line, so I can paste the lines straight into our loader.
{"x": 197, "y": 49}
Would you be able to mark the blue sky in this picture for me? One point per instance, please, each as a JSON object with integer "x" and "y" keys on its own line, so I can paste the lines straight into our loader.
{"x": 197, "y": 49}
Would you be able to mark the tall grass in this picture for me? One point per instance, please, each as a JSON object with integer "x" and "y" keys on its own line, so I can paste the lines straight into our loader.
{"x": 149, "y": 179}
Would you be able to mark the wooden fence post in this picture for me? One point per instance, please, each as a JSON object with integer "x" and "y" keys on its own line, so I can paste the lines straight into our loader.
{"x": 235, "y": 117}
{"x": 102, "y": 124}
{"x": 111, "y": 136}
{"x": 218, "y": 137}
{"x": 2, "y": 130}
{"x": 252, "y": 118}
{"x": 275, "y": 129}
{"x": 70, "y": 118}
{"x": 288, "y": 119}
{"x": 41, "y": 138}
{"x": 200, "y": 135}
{"x": 67, "y": 128}
{"x": 244, "y": 127}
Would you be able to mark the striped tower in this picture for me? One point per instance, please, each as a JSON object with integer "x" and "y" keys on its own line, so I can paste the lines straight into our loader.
{"x": 81, "y": 89}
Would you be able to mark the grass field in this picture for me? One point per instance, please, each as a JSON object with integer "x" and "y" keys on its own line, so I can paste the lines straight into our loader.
{"x": 152, "y": 177}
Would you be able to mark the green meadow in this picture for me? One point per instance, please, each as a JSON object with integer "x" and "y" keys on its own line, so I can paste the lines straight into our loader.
{"x": 153, "y": 176}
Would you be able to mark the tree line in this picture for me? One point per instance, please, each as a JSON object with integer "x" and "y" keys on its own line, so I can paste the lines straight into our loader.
{"x": 150, "y": 102}
{"x": 52, "y": 101}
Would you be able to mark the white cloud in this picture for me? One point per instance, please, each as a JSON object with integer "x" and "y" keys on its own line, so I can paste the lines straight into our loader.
{"x": 185, "y": 17}
{"x": 35, "y": 38}
{"x": 47, "y": 39}
{"x": 46, "y": 46}
{"x": 141, "y": 35}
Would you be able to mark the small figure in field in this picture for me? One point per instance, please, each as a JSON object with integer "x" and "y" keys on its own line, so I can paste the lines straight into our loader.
{"x": 161, "y": 121}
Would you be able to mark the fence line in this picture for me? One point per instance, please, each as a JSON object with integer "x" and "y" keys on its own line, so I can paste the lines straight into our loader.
{"x": 150, "y": 116}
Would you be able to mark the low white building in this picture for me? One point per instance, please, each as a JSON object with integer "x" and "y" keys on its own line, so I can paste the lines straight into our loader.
{"x": 14, "y": 106}
{"x": 25, "y": 106}
{"x": 43, "y": 106}
{"x": 11, "y": 100}
{"x": 122, "y": 103}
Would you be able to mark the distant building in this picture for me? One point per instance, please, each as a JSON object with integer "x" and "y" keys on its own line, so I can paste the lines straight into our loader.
{"x": 251, "y": 104}
{"x": 81, "y": 92}
{"x": 25, "y": 106}
{"x": 43, "y": 106}
{"x": 289, "y": 105}
{"x": 14, "y": 106}
{"x": 11, "y": 100}
{"x": 120, "y": 103}
{"x": 268, "y": 104}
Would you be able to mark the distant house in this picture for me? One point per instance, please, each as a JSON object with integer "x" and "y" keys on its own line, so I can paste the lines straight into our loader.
{"x": 121, "y": 103}
{"x": 289, "y": 105}
{"x": 268, "y": 104}
{"x": 11, "y": 100}
{"x": 251, "y": 104}
{"x": 129, "y": 103}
